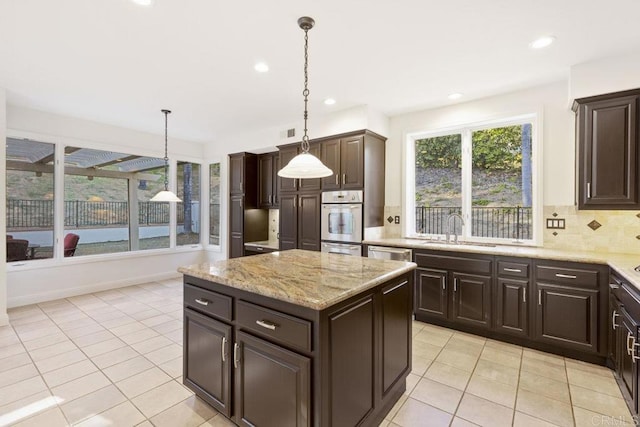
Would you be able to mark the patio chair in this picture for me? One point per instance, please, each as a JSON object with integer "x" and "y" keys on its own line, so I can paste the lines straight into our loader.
{"x": 70, "y": 244}
{"x": 17, "y": 249}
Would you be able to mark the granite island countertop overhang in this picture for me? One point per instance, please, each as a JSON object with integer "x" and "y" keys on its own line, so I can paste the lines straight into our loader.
{"x": 316, "y": 280}
{"x": 623, "y": 264}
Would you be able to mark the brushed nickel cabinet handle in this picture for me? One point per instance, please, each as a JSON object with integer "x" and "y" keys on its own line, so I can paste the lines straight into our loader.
{"x": 202, "y": 301}
{"x": 223, "y": 349}
{"x": 566, "y": 276}
{"x": 539, "y": 296}
{"x": 613, "y": 320}
{"x": 524, "y": 295}
{"x": 266, "y": 324}
{"x": 455, "y": 285}
{"x": 629, "y": 337}
{"x": 337, "y": 182}
{"x": 236, "y": 347}
{"x": 513, "y": 270}
{"x": 344, "y": 178}
{"x": 444, "y": 283}
{"x": 588, "y": 190}
{"x": 614, "y": 286}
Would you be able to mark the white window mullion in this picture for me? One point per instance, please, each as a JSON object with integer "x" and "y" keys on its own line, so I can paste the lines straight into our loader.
{"x": 173, "y": 211}
{"x": 58, "y": 197}
{"x": 467, "y": 165}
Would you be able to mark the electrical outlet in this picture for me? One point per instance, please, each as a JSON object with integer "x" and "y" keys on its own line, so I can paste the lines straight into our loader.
{"x": 555, "y": 223}
{"x": 396, "y": 219}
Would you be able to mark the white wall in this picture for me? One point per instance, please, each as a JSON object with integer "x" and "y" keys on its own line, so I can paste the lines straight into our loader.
{"x": 557, "y": 135}
{"x": 37, "y": 281}
{"x": 3, "y": 220}
{"x": 605, "y": 75}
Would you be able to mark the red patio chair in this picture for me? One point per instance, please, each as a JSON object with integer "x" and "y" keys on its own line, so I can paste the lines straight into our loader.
{"x": 70, "y": 244}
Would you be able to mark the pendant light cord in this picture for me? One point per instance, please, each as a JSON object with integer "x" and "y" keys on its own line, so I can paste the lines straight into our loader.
{"x": 305, "y": 92}
{"x": 166, "y": 156}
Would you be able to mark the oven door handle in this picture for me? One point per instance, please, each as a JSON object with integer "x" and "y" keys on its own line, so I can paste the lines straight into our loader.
{"x": 340, "y": 246}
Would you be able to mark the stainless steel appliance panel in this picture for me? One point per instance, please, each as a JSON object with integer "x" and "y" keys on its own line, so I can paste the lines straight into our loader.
{"x": 384, "y": 252}
{"x": 341, "y": 248}
{"x": 341, "y": 222}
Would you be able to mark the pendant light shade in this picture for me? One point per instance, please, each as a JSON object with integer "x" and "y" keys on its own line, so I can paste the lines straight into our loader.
{"x": 165, "y": 195}
{"x": 305, "y": 164}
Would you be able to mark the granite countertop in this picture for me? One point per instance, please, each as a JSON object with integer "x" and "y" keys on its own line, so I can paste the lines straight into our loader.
{"x": 271, "y": 244}
{"x": 621, "y": 263}
{"x": 310, "y": 279}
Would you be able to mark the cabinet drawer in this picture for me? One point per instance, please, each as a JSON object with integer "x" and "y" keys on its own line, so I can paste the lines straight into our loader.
{"x": 208, "y": 302}
{"x": 513, "y": 269}
{"x": 278, "y": 326}
{"x": 447, "y": 262}
{"x": 567, "y": 276}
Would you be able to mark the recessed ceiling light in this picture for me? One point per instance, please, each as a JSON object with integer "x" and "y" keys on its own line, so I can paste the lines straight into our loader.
{"x": 542, "y": 42}
{"x": 455, "y": 96}
{"x": 329, "y": 101}
{"x": 143, "y": 2}
{"x": 261, "y": 67}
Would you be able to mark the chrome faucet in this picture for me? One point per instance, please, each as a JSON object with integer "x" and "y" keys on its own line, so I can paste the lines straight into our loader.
{"x": 455, "y": 235}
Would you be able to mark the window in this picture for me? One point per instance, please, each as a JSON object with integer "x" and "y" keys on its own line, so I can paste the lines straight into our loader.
{"x": 483, "y": 173}
{"x": 106, "y": 202}
{"x": 214, "y": 204}
{"x": 188, "y": 211}
{"x": 30, "y": 199}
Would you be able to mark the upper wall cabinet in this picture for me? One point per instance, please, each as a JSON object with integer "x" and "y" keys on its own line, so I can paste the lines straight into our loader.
{"x": 287, "y": 153}
{"x": 608, "y": 151}
{"x": 345, "y": 157}
{"x": 268, "y": 180}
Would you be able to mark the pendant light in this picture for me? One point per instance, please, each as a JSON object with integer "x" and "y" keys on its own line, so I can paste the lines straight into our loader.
{"x": 165, "y": 195}
{"x": 305, "y": 164}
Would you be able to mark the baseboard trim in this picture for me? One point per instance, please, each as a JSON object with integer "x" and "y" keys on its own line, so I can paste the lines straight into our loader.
{"x": 39, "y": 297}
{"x": 4, "y": 319}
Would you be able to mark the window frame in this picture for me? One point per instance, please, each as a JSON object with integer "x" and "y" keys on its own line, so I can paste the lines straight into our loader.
{"x": 466, "y": 131}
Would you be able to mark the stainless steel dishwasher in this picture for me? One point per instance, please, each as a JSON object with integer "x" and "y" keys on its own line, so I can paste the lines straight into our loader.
{"x": 385, "y": 252}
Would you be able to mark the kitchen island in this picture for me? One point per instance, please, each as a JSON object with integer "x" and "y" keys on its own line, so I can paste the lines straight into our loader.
{"x": 298, "y": 338}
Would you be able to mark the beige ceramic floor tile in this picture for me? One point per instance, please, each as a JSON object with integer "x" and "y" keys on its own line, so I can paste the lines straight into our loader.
{"x": 588, "y": 367}
{"x": 432, "y": 338}
{"x": 27, "y": 407}
{"x": 545, "y": 408}
{"x": 545, "y": 386}
{"x": 103, "y": 347}
{"x": 173, "y": 368}
{"x": 125, "y": 414}
{"x": 220, "y": 421}
{"x": 160, "y": 398}
{"x": 18, "y": 374}
{"x": 38, "y": 333}
{"x": 60, "y": 361}
{"x": 437, "y": 395}
{"x": 46, "y": 341}
{"x": 424, "y": 350}
{"x": 459, "y": 360}
{"x": 585, "y": 417}
{"x": 128, "y": 368}
{"x": 51, "y": 418}
{"x": 156, "y": 320}
{"x": 412, "y": 380}
{"x": 464, "y": 346}
{"x": 523, "y": 420}
{"x": 144, "y": 381}
{"x": 69, "y": 373}
{"x": 14, "y": 361}
{"x": 414, "y": 412}
{"x": 544, "y": 357}
{"x": 141, "y": 335}
{"x": 545, "y": 369}
{"x": 394, "y": 410}
{"x": 494, "y": 391}
{"x": 128, "y": 328}
{"x": 81, "y": 386}
{"x": 496, "y": 372}
{"x": 483, "y": 412}
{"x": 164, "y": 354}
{"x": 97, "y": 337}
{"x": 176, "y": 336}
{"x": 167, "y": 327}
{"x": 448, "y": 375}
{"x": 118, "y": 321}
{"x": 21, "y": 389}
{"x": 113, "y": 357}
{"x": 190, "y": 412}
{"x": 11, "y": 350}
{"x": 599, "y": 402}
{"x": 459, "y": 422}
{"x": 474, "y": 339}
{"x": 596, "y": 382}
{"x": 501, "y": 357}
{"x": 52, "y": 350}
{"x": 503, "y": 346}
{"x": 92, "y": 404}
{"x": 152, "y": 344}
{"x": 83, "y": 331}
{"x": 419, "y": 365}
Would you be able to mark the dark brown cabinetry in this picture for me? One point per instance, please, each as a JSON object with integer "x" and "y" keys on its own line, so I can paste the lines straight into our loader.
{"x": 511, "y": 297}
{"x": 287, "y": 153}
{"x": 268, "y": 181}
{"x": 294, "y": 366}
{"x": 345, "y": 157}
{"x": 571, "y": 302}
{"x": 300, "y": 221}
{"x": 245, "y": 222}
{"x": 451, "y": 288}
{"x": 608, "y": 151}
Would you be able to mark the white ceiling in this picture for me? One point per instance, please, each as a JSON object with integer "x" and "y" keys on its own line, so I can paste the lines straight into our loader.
{"x": 115, "y": 62}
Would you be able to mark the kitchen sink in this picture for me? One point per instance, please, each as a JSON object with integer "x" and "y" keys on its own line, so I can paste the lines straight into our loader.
{"x": 459, "y": 243}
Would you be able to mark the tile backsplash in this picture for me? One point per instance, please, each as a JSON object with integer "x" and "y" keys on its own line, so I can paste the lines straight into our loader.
{"x": 599, "y": 231}
{"x": 274, "y": 224}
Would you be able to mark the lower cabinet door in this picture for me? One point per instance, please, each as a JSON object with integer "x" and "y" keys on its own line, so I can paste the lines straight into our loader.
{"x": 272, "y": 384}
{"x": 207, "y": 364}
{"x": 431, "y": 292}
{"x": 471, "y": 299}
{"x": 628, "y": 367}
{"x": 567, "y": 316}
{"x": 396, "y": 333}
{"x": 615, "y": 326}
{"x": 511, "y": 306}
